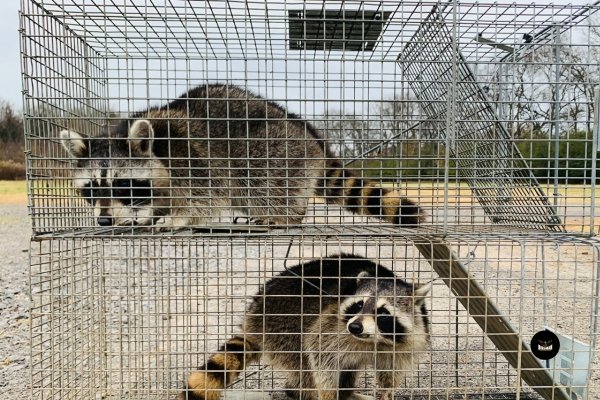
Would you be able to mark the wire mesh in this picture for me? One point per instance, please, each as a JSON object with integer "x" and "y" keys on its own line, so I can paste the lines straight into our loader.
{"x": 146, "y": 312}
{"x": 486, "y": 157}
{"x": 86, "y": 65}
{"x": 182, "y": 154}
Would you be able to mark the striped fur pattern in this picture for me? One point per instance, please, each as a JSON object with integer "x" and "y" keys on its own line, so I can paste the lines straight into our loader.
{"x": 366, "y": 197}
{"x": 219, "y": 147}
{"x": 221, "y": 369}
{"x": 321, "y": 322}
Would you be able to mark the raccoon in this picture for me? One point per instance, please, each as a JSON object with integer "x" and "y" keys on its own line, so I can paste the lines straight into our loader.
{"x": 321, "y": 322}
{"x": 219, "y": 147}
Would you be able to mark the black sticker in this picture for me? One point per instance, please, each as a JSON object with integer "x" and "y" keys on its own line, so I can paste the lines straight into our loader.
{"x": 545, "y": 345}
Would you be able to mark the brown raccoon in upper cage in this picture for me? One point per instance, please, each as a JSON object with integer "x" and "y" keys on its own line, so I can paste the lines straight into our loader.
{"x": 320, "y": 323}
{"x": 220, "y": 147}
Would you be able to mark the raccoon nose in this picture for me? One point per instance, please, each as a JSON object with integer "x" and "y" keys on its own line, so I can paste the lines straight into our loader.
{"x": 355, "y": 328}
{"x": 105, "y": 221}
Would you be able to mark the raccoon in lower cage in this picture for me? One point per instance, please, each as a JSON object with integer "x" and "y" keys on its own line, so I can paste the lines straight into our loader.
{"x": 320, "y": 323}
{"x": 219, "y": 147}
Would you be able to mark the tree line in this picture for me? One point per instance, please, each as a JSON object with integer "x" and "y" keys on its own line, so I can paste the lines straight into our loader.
{"x": 545, "y": 102}
{"x": 384, "y": 145}
{"x": 12, "y": 141}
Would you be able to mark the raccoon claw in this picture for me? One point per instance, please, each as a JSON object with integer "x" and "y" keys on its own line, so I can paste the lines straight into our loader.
{"x": 248, "y": 220}
{"x": 163, "y": 229}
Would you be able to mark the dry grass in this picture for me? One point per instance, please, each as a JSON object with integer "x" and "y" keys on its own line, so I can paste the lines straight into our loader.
{"x": 13, "y": 192}
{"x": 11, "y": 170}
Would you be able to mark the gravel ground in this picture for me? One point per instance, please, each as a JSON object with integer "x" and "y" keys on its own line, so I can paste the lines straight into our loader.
{"x": 15, "y": 230}
{"x": 157, "y": 311}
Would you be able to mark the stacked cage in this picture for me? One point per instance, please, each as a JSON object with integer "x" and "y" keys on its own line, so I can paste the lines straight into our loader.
{"x": 155, "y": 225}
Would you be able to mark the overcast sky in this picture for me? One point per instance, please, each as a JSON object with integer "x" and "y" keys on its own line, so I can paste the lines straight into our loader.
{"x": 10, "y": 78}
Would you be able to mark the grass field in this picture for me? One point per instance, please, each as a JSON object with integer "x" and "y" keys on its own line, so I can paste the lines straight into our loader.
{"x": 13, "y": 192}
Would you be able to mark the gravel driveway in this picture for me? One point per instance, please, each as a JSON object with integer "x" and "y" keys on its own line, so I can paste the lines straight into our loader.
{"x": 15, "y": 230}
{"x": 501, "y": 270}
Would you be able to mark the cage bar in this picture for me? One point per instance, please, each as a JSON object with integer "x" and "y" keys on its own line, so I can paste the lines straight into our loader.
{"x": 481, "y": 113}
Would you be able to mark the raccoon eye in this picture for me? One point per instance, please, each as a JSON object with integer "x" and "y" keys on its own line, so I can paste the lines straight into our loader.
{"x": 391, "y": 328}
{"x": 355, "y": 308}
{"x": 122, "y": 188}
{"x": 131, "y": 191}
{"x": 123, "y": 183}
{"x": 383, "y": 311}
{"x": 87, "y": 191}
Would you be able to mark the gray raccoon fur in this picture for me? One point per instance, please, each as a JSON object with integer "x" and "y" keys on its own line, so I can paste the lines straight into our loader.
{"x": 219, "y": 147}
{"x": 321, "y": 322}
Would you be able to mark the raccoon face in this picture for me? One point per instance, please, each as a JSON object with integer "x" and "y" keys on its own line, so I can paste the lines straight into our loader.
{"x": 118, "y": 197}
{"x": 385, "y": 310}
{"x": 119, "y": 178}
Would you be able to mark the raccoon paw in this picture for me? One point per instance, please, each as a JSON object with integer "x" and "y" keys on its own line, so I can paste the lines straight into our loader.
{"x": 251, "y": 221}
{"x": 246, "y": 220}
{"x": 386, "y": 395}
{"x": 170, "y": 224}
{"x": 159, "y": 228}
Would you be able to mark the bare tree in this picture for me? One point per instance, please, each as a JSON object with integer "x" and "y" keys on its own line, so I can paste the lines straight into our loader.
{"x": 537, "y": 91}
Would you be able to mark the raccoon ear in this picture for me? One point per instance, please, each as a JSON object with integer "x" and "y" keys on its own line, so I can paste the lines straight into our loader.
{"x": 360, "y": 278}
{"x": 74, "y": 143}
{"x": 420, "y": 291}
{"x": 141, "y": 135}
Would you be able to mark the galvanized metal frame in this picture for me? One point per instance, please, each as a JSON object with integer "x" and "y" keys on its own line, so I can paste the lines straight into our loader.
{"x": 126, "y": 313}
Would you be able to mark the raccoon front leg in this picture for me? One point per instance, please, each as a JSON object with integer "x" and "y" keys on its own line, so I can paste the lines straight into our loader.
{"x": 387, "y": 380}
{"x": 183, "y": 220}
{"x": 292, "y": 385}
{"x": 326, "y": 376}
{"x": 348, "y": 385}
{"x": 327, "y": 385}
{"x": 174, "y": 223}
{"x": 300, "y": 385}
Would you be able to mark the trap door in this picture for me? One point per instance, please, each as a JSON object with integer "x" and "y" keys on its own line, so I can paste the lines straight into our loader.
{"x": 489, "y": 317}
{"x": 479, "y": 144}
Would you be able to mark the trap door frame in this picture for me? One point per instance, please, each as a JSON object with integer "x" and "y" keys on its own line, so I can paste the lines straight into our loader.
{"x": 485, "y": 154}
{"x": 489, "y": 317}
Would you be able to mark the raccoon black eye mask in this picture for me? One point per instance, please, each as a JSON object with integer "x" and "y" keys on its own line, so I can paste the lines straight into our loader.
{"x": 220, "y": 147}
{"x": 128, "y": 191}
{"x": 320, "y": 322}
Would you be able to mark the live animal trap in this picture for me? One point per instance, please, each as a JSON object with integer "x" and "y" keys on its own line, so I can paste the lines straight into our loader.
{"x": 182, "y": 156}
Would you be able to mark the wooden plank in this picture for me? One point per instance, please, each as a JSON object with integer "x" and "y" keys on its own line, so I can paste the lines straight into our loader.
{"x": 481, "y": 308}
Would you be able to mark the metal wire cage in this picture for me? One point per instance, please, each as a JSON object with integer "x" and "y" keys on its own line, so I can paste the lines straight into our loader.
{"x": 482, "y": 114}
{"x": 485, "y": 115}
{"x": 132, "y": 318}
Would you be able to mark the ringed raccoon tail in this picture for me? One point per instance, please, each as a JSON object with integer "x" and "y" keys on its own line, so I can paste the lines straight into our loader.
{"x": 366, "y": 197}
{"x": 221, "y": 369}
